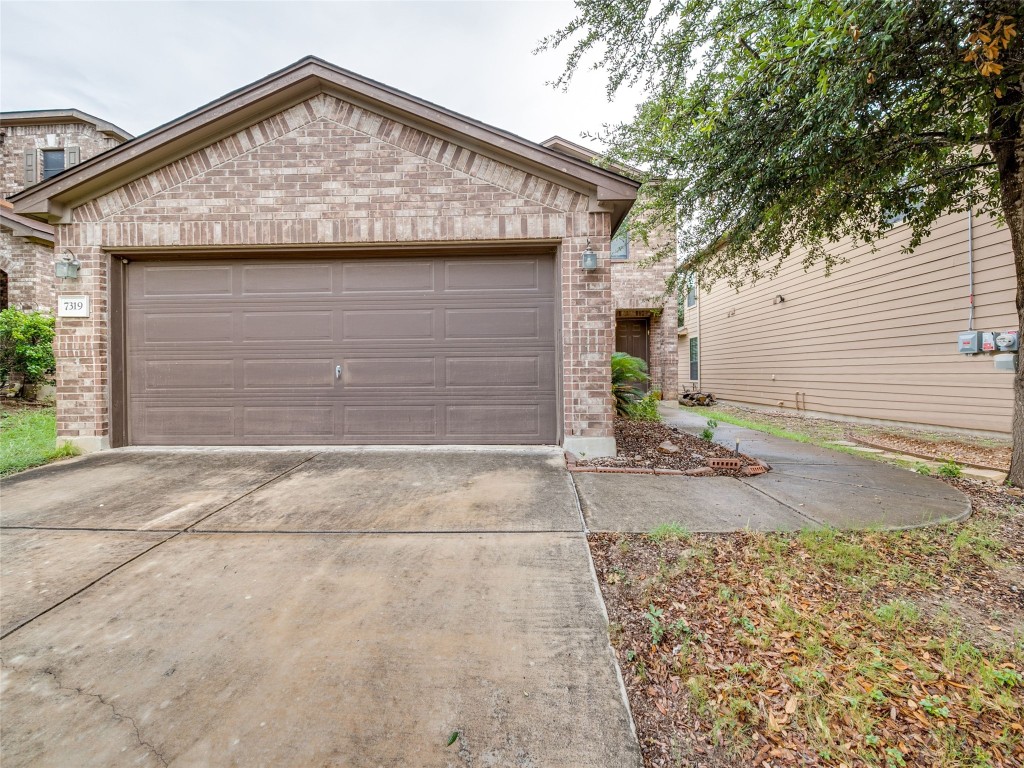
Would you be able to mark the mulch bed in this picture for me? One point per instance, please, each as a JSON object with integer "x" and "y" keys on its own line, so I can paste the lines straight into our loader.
{"x": 827, "y": 649}
{"x": 638, "y": 446}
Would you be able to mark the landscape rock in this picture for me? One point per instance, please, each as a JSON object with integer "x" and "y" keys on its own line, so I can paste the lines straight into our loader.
{"x": 668, "y": 447}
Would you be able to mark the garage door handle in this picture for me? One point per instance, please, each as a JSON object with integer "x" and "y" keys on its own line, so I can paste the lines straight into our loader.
{"x": 337, "y": 371}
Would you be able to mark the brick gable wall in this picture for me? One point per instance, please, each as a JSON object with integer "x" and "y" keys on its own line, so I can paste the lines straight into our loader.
{"x": 328, "y": 172}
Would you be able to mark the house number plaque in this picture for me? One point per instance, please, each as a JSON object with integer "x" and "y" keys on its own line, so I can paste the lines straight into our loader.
{"x": 73, "y": 306}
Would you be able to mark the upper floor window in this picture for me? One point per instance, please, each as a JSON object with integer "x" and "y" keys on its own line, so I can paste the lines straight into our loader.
{"x": 620, "y": 246}
{"x": 53, "y": 162}
{"x": 691, "y": 291}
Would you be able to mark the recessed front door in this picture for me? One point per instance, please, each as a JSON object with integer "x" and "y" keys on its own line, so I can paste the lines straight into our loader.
{"x": 633, "y": 336}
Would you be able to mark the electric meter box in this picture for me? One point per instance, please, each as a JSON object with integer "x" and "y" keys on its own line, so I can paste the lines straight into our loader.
{"x": 988, "y": 341}
{"x": 1007, "y": 341}
{"x": 1006, "y": 361}
{"x": 969, "y": 343}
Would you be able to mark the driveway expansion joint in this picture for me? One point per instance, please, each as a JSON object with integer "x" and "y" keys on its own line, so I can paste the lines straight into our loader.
{"x": 796, "y": 510}
{"x": 146, "y": 551}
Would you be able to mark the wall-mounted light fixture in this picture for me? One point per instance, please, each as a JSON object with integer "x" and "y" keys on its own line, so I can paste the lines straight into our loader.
{"x": 778, "y": 299}
{"x": 589, "y": 258}
{"x": 67, "y": 266}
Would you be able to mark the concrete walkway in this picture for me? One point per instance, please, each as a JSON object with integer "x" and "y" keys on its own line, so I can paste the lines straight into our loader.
{"x": 808, "y": 487}
{"x": 297, "y": 608}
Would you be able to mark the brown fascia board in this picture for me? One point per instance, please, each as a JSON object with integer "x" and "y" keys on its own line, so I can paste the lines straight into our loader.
{"x": 51, "y": 200}
{"x": 559, "y": 144}
{"x": 23, "y": 226}
{"x": 55, "y": 116}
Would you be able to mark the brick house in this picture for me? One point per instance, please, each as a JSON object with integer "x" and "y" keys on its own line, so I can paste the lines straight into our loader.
{"x": 319, "y": 258}
{"x": 645, "y": 314}
{"x": 35, "y": 146}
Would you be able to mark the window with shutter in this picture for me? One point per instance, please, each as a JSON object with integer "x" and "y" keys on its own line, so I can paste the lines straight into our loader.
{"x": 53, "y": 162}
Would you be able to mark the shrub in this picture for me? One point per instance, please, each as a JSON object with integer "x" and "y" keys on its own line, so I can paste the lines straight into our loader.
{"x": 26, "y": 346}
{"x": 628, "y": 373}
{"x": 646, "y": 408}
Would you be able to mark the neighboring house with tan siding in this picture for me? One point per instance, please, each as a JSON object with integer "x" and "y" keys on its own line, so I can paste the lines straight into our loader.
{"x": 876, "y": 339}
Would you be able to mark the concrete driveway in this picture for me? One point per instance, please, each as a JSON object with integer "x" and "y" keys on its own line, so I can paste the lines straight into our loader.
{"x": 285, "y": 607}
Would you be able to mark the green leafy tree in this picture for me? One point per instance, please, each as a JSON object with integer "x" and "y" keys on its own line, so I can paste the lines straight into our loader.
{"x": 770, "y": 128}
{"x": 26, "y": 346}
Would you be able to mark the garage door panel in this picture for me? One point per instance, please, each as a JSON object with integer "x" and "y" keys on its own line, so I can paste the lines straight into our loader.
{"x": 506, "y": 276}
{"x": 431, "y": 350}
{"x": 390, "y": 372}
{"x": 288, "y": 374}
{"x": 388, "y": 325}
{"x": 521, "y": 372}
{"x": 378, "y": 278}
{"x": 490, "y": 420}
{"x": 168, "y": 422}
{"x": 288, "y": 421}
{"x": 391, "y": 421}
{"x": 158, "y": 375}
{"x": 287, "y": 326}
{"x": 192, "y": 327}
{"x": 287, "y": 279}
{"x": 180, "y": 281}
{"x": 493, "y": 323}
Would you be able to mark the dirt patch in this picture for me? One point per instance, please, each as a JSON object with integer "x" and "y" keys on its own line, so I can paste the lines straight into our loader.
{"x": 937, "y": 444}
{"x": 939, "y": 449}
{"x": 825, "y": 648}
{"x": 639, "y": 444}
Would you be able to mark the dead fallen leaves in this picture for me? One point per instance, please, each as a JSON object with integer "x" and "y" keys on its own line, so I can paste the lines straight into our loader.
{"x": 859, "y": 649}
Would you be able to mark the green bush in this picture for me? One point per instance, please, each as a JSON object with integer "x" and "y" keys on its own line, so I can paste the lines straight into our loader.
{"x": 628, "y": 373}
{"x": 26, "y": 346}
{"x": 646, "y": 408}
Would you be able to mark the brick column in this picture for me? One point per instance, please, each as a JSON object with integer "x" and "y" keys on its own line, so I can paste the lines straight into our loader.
{"x": 81, "y": 347}
{"x": 588, "y": 337}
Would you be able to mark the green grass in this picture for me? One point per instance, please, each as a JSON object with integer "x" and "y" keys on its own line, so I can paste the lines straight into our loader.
{"x": 800, "y": 437}
{"x": 28, "y": 438}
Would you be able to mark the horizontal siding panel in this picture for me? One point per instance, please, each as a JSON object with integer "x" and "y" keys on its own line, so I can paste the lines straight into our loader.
{"x": 876, "y": 338}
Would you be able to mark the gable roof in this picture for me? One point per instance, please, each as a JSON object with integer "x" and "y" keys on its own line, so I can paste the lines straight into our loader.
{"x": 53, "y": 199}
{"x": 58, "y": 116}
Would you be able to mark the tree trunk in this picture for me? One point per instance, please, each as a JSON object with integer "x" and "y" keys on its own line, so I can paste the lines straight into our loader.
{"x": 1009, "y": 157}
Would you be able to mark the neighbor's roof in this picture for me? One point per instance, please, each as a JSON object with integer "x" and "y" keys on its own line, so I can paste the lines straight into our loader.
{"x": 52, "y": 199}
{"x": 23, "y": 226}
{"x": 57, "y": 116}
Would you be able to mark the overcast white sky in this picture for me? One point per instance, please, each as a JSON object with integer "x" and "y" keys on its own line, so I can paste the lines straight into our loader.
{"x": 139, "y": 64}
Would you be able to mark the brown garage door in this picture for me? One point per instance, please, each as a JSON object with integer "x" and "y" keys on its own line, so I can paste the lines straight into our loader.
{"x": 356, "y": 350}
